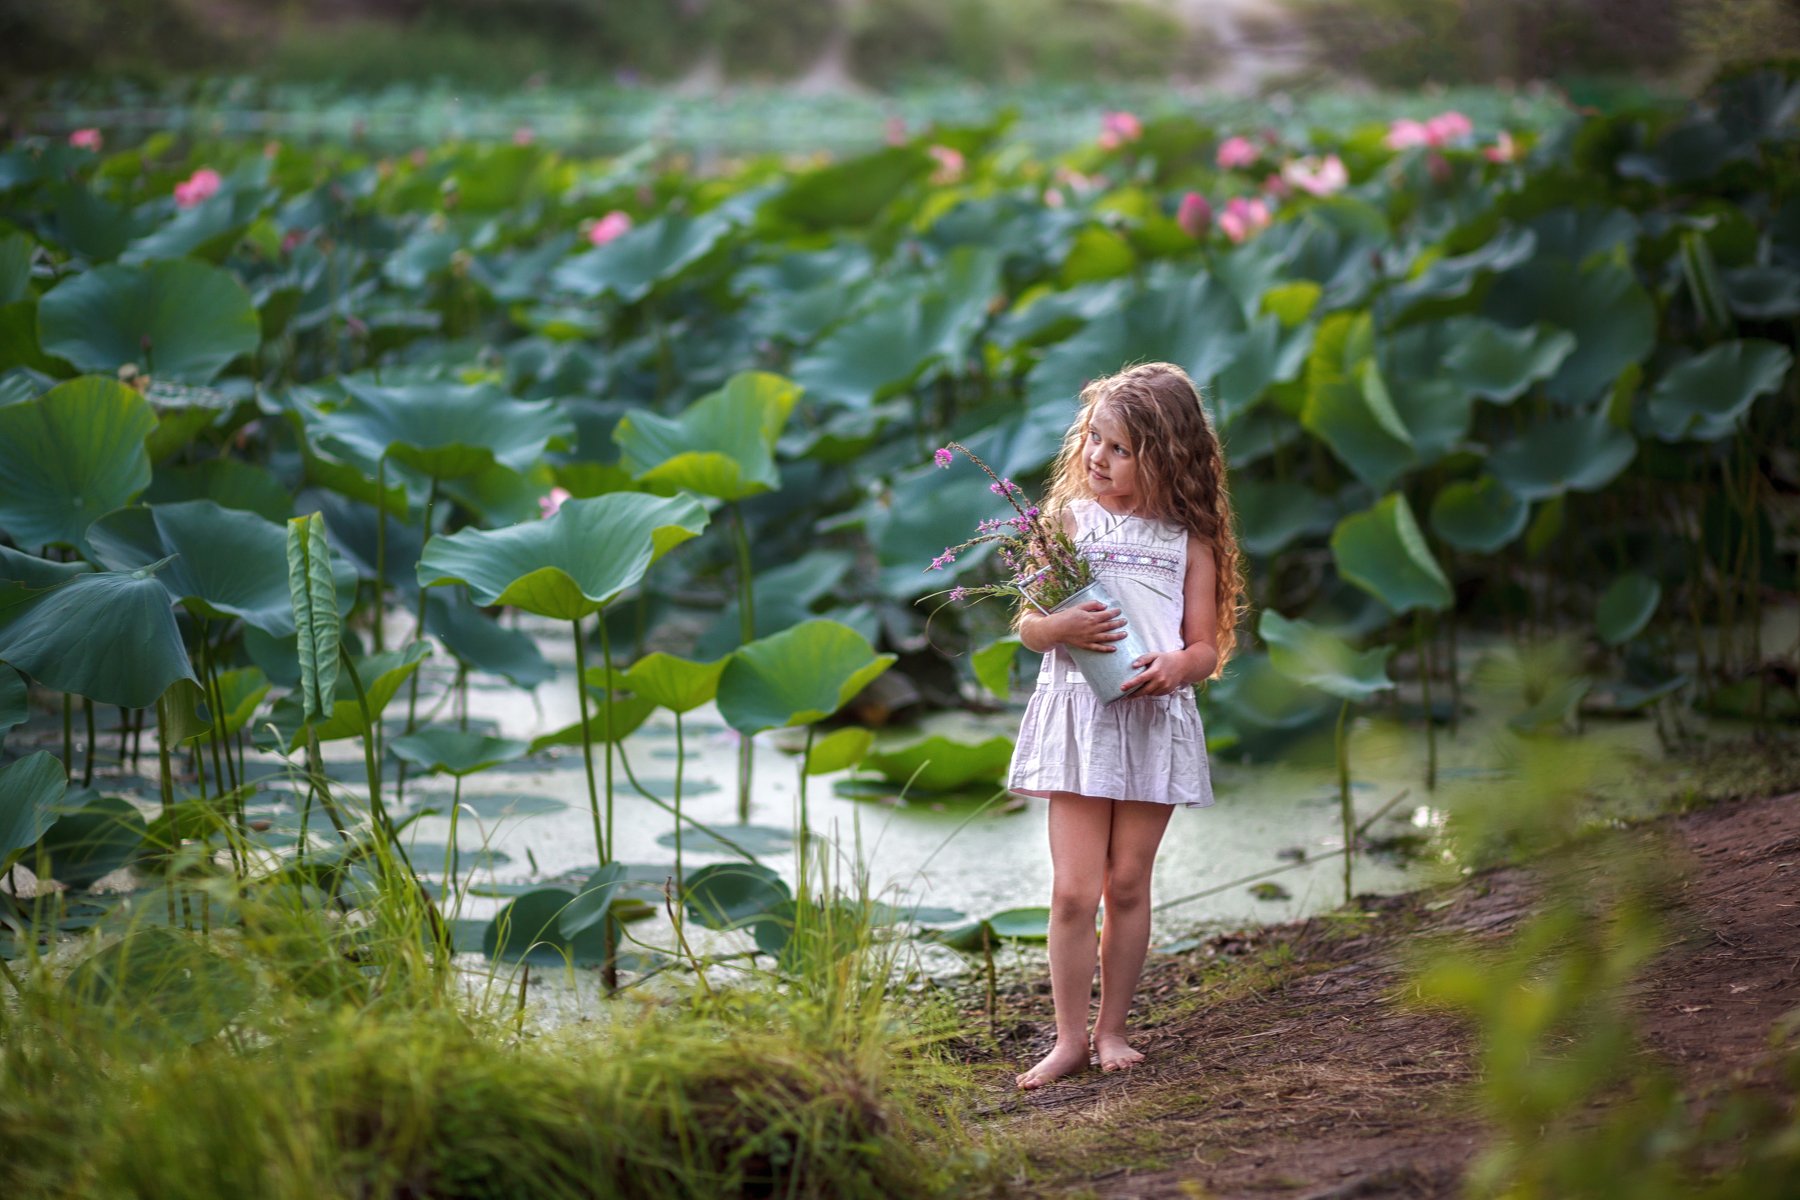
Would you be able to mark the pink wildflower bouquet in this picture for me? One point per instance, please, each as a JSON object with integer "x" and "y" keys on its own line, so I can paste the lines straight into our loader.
{"x": 1041, "y": 560}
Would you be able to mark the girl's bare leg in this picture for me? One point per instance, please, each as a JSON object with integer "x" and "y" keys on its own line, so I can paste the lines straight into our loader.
{"x": 1137, "y": 830}
{"x": 1079, "y": 828}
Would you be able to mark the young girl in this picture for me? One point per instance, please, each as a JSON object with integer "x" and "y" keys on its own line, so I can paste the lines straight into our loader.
{"x": 1140, "y": 485}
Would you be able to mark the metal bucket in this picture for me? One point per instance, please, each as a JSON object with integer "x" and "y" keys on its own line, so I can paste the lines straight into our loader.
{"x": 1105, "y": 671}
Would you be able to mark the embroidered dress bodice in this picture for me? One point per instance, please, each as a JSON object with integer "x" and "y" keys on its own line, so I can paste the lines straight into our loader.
{"x": 1143, "y": 563}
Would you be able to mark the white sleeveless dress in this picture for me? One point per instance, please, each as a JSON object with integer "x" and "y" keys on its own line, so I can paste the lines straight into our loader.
{"x": 1142, "y": 747}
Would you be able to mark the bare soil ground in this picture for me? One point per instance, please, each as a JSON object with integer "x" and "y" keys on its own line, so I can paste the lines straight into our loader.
{"x": 1299, "y": 1069}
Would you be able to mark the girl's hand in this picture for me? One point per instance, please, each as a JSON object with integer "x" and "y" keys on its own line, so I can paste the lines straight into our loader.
{"x": 1158, "y": 674}
{"x": 1092, "y": 626}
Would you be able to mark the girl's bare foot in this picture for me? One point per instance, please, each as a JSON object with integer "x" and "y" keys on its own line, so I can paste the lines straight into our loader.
{"x": 1065, "y": 1059}
{"x": 1115, "y": 1054}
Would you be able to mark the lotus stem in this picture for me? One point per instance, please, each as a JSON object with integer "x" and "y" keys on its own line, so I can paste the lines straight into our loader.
{"x": 380, "y": 551}
{"x": 652, "y": 797}
{"x": 87, "y": 764}
{"x": 609, "y": 967}
{"x": 1422, "y": 642}
{"x": 587, "y": 742}
{"x": 747, "y": 634}
{"x": 453, "y": 860}
{"x": 805, "y": 827}
{"x": 680, "y": 762}
{"x": 412, "y": 695}
{"x": 68, "y": 738}
{"x": 1345, "y": 811}
{"x": 377, "y": 809}
{"x": 167, "y": 780}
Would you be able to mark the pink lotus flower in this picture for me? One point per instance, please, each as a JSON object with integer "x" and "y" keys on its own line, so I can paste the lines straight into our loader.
{"x": 1117, "y": 128}
{"x": 1194, "y": 216}
{"x": 608, "y": 227}
{"x": 1242, "y": 217}
{"x": 86, "y": 139}
{"x": 1317, "y": 176}
{"x": 524, "y": 135}
{"x": 291, "y": 240}
{"x": 949, "y": 164}
{"x": 1406, "y": 133}
{"x": 1053, "y": 198}
{"x": 547, "y": 505}
{"x": 1275, "y": 185}
{"x": 895, "y": 131}
{"x": 200, "y": 186}
{"x": 1446, "y": 127}
{"x": 1235, "y": 152}
{"x": 1504, "y": 149}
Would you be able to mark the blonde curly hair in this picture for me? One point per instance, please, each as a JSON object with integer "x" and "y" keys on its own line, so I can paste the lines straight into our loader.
{"x": 1180, "y": 471}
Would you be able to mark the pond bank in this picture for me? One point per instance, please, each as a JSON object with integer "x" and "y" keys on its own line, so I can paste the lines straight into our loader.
{"x": 1290, "y": 1060}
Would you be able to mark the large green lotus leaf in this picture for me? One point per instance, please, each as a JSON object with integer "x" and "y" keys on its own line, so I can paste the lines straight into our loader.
{"x": 240, "y": 692}
{"x": 1582, "y": 453}
{"x": 529, "y": 930}
{"x": 639, "y": 259}
{"x": 1013, "y": 925}
{"x": 1382, "y": 551}
{"x": 1704, "y": 396}
{"x": 883, "y": 350}
{"x": 992, "y": 665}
{"x": 727, "y": 895}
{"x": 940, "y": 764}
{"x": 1763, "y": 293}
{"x": 70, "y": 455}
{"x": 838, "y": 750}
{"x": 456, "y": 751}
{"x": 595, "y": 899}
{"x": 226, "y": 564}
{"x": 1447, "y": 282}
{"x": 426, "y": 252}
{"x": 1095, "y": 255}
{"x": 619, "y": 721}
{"x": 1436, "y": 413}
{"x": 14, "y": 707}
{"x": 723, "y": 445}
{"x": 165, "y": 985}
{"x": 208, "y": 230}
{"x": 1578, "y": 234}
{"x": 91, "y": 841}
{"x": 109, "y": 636}
{"x": 796, "y": 677}
{"x": 1626, "y": 607}
{"x": 1498, "y": 363}
{"x": 1310, "y": 655}
{"x": 1478, "y": 515}
{"x": 483, "y": 643}
{"x": 19, "y": 342}
{"x": 16, "y": 253}
{"x": 382, "y": 675}
{"x": 1253, "y": 693}
{"x": 1348, "y": 406}
{"x": 1189, "y": 319}
{"x": 30, "y": 791}
{"x": 1273, "y": 514}
{"x": 228, "y": 482}
{"x": 180, "y": 320}
{"x": 853, "y": 192}
{"x": 446, "y": 431}
{"x": 1611, "y": 315}
{"x": 928, "y": 511}
{"x": 676, "y": 684}
{"x": 571, "y": 564}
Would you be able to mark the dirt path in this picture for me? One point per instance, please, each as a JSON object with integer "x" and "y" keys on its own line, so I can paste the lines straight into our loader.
{"x": 1282, "y": 1063}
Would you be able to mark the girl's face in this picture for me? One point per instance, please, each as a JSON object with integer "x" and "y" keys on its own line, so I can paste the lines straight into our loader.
{"x": 1111, "y": 460}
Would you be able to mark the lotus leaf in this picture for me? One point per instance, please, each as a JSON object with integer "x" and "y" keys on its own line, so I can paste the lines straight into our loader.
{"x": 484, "y": 644}
{"x": 70, "y": 455}
{"x": 14, "y": 708}
{"x": 839, "y": 750}
{"x": 1611, "y": 315}
{"x": 940, "y": 764}
{"x": 445, "y": 431}
{"x": 382, "y": 675}
{"x": 1478, "y": 515}
{"x": 226, "y": 563}
{"x": 1310, "y": 655}
{"x": 728, "y": 895}
{"x": 796, "y": 677}
{"x": 1626, "y": 607}
{"x": 1703, "y": 397}
{"x": 1579, "y": 453}
{"x": 164, "y": 983}
{"x": 31, "y": 789}
{"x": 676, "y": 684}
{"x": 1013, "y": 925}
{"x": 993, "y": 665}
{"x": 1273, "y": 514}
{"x": 455, "y": 751}
{"x": 596, "y": 898}
{"x": 1498, "y": 363}
{"x": 627, "y": 713}
{"x": 179, "y": 320}
{"x": 1382, "y": 551}
{"x": 228, "y": 482}
{"x": 1348, "y": 406}
{"x": 312, "y": 595}
{"x": 207, "y": 231}
{"x": 108, "y": 635}
{"x": 529, "y": 930}
{"x": 632, "y": 264}
{"x": 571, "y": 564}
{"x": 722, "y": 445}
{"x": 852, "y": 192}
{"x": 1763, "y": 293}
{"x": 94, "y": 840}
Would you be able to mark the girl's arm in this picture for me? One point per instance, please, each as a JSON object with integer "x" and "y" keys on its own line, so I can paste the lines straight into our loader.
{"x": 1163, "y": 672}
